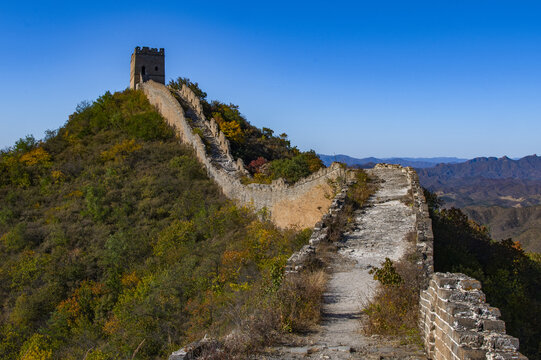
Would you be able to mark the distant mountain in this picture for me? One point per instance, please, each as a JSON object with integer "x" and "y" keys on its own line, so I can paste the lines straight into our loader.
{"x": 526, "y": 168}
{"x": 486, "y": 181}
{"x": 371, "y": 161}
{"x": 520, "y": 224}
{"x": 504, "y": 194}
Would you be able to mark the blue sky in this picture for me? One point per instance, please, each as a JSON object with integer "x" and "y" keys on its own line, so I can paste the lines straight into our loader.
{"x": 378, "y": 78}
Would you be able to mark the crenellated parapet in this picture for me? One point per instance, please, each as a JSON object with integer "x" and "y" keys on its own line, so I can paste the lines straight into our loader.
{"x": 457, "y": 323}
{"x": 220, "y": 165}
{"x": 145, "y": 50}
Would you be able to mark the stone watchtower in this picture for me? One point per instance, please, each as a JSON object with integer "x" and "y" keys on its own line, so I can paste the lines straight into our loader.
{"x": 147, "y": 64}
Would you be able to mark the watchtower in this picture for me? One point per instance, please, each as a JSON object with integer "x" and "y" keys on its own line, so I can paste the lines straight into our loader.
{"x": 147, "y": 64}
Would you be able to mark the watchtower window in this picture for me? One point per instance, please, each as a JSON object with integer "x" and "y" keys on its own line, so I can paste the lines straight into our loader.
{"x": 143, "y": 71}
{"x": 156, "y": 68}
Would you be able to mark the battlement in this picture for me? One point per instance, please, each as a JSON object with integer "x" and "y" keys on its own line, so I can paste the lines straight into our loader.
{"x": 147, "y": 64}
{"x": 145, "y": 50}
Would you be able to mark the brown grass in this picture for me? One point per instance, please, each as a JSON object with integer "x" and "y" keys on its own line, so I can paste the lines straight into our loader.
{"x": 395, "y": 308}
{"x": 294, "y": 307}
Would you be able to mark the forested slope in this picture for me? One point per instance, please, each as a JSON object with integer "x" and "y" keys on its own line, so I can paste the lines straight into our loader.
{"x": 115, "y": 244}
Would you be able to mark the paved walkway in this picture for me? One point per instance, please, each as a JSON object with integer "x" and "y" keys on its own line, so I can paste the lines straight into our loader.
{"x": 380, "y": 231}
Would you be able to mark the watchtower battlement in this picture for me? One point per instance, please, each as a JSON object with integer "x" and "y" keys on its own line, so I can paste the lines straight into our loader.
{"x": 147, "y": 64}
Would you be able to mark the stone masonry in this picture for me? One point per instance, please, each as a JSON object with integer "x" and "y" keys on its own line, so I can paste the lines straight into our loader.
{"x": 457, "y": 323}
{"x": 220, "y": 165}
{"x": 147, "y": 64}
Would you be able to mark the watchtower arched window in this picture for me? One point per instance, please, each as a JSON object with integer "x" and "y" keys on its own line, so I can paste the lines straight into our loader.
{"x": 143, "y": 71}
{"x": 156, "y": 68}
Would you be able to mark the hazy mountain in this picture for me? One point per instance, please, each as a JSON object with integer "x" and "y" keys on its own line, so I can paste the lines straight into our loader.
{"x": 504, "y": 194}
{"x": 526, "y": 168}
{"x": 404, "y": 161}
{"x": 520, "y": 224}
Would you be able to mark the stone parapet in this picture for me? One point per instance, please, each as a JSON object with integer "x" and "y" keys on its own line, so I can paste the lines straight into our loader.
{"x": 258, "y": 196}
{"x": 423, "y": 224}
{"x": 304, "y": 256}
{"x": 457, "y": 323}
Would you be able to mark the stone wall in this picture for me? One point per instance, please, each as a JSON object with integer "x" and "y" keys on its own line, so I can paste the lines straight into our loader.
{"x": 423, "y": 224}
{"x": 299, "y": 259}
{"x": 455, "y": 320}
{"x": 257, "y": 195}
{"x": 457, "y": 323}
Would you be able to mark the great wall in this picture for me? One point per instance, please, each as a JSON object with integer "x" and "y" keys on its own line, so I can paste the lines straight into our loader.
{"x": 455, "y": 321}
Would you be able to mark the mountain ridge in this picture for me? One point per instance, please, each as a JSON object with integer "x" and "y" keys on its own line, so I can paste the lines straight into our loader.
{"x": 422, "y": 162}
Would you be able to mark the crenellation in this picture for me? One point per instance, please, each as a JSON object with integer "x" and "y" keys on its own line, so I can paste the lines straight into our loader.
{"x": 257, "y": 195}
{"x": 466, "y": 327}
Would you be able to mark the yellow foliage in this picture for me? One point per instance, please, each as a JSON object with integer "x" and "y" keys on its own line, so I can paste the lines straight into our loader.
{"x": 76, "y": 194}
{"x": 38, "y": 156}
{"x": 36, "y": 348}
{"x": 97, "y": 355}
{"x": 232, "y": 131}
{"x": 111, "y": 326}
{"x": 58, "y": 176}
{"x": 120, "y": 150}
{"x": 129, "y": 279}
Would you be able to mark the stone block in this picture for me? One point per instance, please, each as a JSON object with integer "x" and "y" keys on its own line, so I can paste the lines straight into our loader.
{"x": 501, "y": 355}
{"x": 469, "y": 338}
{"x": 501, "y": 342}
{"x": 468, "y": 323}
{"x": 462, "y": 309}
{"x": 443, "y": 281}
{"x": 493, "y": 325}
{"x": 469, "y": 284}
{"x": 490, "y": 312}
{"x": 467, "y": 353}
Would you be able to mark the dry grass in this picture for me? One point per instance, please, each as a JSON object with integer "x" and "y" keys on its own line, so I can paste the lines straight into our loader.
{"x": 395, "y": 308}
{"x": 294, "y": 307}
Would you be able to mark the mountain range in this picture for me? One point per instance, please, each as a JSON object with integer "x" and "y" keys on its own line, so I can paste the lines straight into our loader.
{"x": 503, "y": 194}
{"x": 368, "y": 162}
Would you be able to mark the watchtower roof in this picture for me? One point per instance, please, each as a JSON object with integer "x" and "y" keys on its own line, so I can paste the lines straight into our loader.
{"x": 145, "y": 50}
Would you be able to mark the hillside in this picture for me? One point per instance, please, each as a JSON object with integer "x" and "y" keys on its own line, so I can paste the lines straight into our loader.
{"x": 521, "y": 224}
{"x": 114, "y": 243}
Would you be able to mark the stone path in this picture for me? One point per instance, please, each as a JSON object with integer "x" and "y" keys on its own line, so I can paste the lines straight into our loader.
{"x": 380, "y": 231}
{"x": 218, "y": 156}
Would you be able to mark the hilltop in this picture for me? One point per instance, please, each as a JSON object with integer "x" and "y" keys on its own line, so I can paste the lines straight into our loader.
{"x": 115, "y": 243}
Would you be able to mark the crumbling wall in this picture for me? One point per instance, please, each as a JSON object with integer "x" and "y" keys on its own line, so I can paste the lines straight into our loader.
{"x": 457, "y": 323}
{"x": 455, "y": 320}
{"x": 257, "y": 195}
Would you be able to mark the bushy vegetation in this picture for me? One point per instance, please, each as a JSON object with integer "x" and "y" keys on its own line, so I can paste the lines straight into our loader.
{"x": 268, "y": 157}
{"x": 510, "y": 277}
{"x": 394, "y": 310}
{"x": 114, "y": 244}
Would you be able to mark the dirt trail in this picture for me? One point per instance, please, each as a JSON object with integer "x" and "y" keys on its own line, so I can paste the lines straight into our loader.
{"x": 380, "y": 231}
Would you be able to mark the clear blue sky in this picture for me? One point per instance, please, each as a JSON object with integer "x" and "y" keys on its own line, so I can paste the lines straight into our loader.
{"x": 375, "y": 78}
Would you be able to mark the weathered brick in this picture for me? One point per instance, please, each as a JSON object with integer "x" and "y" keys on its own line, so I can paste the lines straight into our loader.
{"x": 501, "y": 355}
{"x": 465, "y": 322}
{"x": 469, "y": 284}
{"x": 467, "y": 353}
{"x": 501, "y": 342}
{"x": 469, "y": 338}
{"x": 459, "y": 309}
{"x": 441, "y": 280}
{"x": 493, "y": 325}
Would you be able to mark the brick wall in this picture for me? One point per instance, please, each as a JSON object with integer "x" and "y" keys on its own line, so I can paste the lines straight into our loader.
{"x": 457, "y": 323}
{"x": 257, "y": 195}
